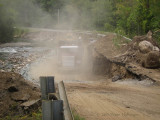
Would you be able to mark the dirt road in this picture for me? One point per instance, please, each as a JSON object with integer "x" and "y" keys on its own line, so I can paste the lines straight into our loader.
{"x": 115, "y": 101}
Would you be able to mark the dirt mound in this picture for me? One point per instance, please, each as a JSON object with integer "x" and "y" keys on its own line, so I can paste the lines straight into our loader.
{"x": 109, "y": 47}
{"x": 118, "y": 50}
{"x": 136, "y": 50}
{"x": 115, "y": 60}
{"x": 14, "y": 93}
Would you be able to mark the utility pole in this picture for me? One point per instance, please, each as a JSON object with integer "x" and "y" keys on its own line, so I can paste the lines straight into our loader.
{"x": 58, "y": 16}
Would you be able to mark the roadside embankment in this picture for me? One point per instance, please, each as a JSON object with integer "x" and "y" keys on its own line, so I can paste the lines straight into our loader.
{"x": 136, "y": 59}
{"x": 17, "y": 96}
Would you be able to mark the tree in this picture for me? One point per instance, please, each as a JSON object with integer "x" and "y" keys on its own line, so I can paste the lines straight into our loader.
{"x": 6, "y": 25}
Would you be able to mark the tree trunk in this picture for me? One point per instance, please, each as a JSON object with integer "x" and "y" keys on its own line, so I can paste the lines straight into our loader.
{"x": 147, "y": 4}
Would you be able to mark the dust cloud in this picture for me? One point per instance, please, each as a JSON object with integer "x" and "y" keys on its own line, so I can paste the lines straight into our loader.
{"x": 48, "y": 66}
{"x": 68, "y": 16}
{"x": 28, "y": 14}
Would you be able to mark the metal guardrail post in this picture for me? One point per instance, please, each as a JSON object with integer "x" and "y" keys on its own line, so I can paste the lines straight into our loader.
{"x": 50, "y": 84}
{"x": 46, "y": 110}
{"x": 43, "y": 86}
{"x": 52, "y": 110}
{"x": 57, "y": 110}
{"x": 47, "y": 86}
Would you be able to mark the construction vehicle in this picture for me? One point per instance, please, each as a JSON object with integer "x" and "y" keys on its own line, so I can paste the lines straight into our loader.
{"x": 69, "y": 54}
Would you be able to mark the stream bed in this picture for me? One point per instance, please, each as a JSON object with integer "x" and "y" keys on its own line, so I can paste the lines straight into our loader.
{"x": 20, "y": 59}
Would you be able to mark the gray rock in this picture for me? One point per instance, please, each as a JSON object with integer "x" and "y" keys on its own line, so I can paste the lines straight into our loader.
{"x": 116, "y": 77}
{"x": 145, "y": 46}
{"x": 30, "y": 103}
{"x": 155, "y": 48}
{"x": 152, "y": 60}
{"x": 28, "y": 106}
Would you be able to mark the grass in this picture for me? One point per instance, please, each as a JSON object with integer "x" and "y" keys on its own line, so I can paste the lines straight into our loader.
{"x": 19, "y": 32}
{"x": 35, "y": 115}
{"x": 103, "y": 32}
{"x": 77, "y": 116}
{"x": 118, "y": 40}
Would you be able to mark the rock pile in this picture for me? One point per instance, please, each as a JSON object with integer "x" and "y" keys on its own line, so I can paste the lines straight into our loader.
{"x": 151, "y": 54}
{"x": 143, "y": 50}
{"x": 146, "y": 46}
{"x": 138, "y": 59}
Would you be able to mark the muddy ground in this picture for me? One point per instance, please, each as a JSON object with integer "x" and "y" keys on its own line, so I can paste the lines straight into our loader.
{"x": 91, "y": 90}
{"x": 17, "y": 96}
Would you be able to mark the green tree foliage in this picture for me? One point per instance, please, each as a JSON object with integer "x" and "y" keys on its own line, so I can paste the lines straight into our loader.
{"x": 20, "y": 13}
{"x": 6, "y": 25}
{"x": 136, "y": 17}
{"x": 126, "y": 17}
{"x": 131, "y": 17}
{"x": 79, "y": 14}
{"x": 27, "y": 13}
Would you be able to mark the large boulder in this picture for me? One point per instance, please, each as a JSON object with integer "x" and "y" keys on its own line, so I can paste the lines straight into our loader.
{"x": 152, "y": 60}
{"x": 145, "y": 46}
{"x": 155, "y": 48}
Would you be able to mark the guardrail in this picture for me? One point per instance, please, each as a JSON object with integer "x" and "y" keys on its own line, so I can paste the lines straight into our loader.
{"x": 55, "y": 106}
